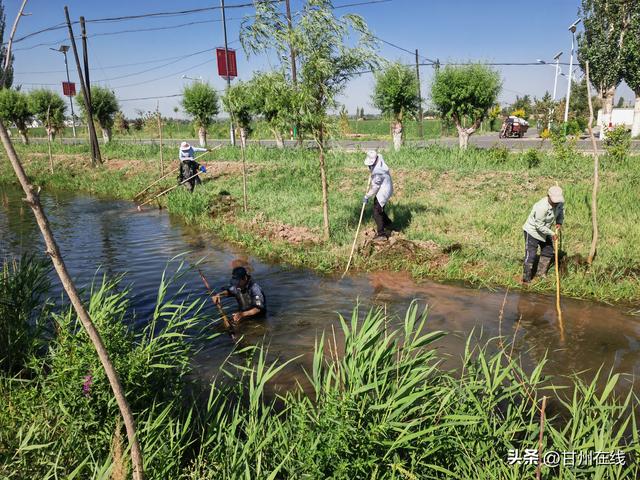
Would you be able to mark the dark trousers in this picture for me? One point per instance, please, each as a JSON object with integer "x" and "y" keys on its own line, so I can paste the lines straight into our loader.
{"x": 531, "y": 245}
{"x": 380, "y": 217}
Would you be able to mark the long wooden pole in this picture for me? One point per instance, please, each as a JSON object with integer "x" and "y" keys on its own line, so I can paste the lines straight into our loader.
{"x": 49, "y": 140}
{"x": 53, "y": 251}
{"x": 167, "y": 191}
{"x": 7, "y": 58}
{"x": 169, "y": 173}
{"x": 87, "y": 81}
{"x": 244, "y": 176}
{"x": 596, "y": 178}
{"x": 558, "y": 309}
{"x": 355, "y": 240}
{"x": 225, "y": 319}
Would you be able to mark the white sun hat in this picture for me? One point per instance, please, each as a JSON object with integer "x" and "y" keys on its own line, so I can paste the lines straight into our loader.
{"x": 185, "y": 146}
{"x": 555, "y": 194}
{"x": 372, "y": 155}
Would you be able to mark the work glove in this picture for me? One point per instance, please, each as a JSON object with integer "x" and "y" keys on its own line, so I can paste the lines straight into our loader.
{"x": 203, "y": 169}
{"x": 365, "y": 200}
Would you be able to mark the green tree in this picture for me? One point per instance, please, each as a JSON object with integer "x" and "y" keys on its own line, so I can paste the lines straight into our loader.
{"x": 14, "y": 108}
{"x": 543, "y": 109}
{"x": 277, "y": 101}
{"x": 631, "y": 70}
{"x": 239, "y": 102}
{"x": 605, "y": 23}
{"x": 200, "y": 101}
{"x": 8, "y": 80}
{"x": 328, "y": 57}
{"x": 396, "y": 96}
{"x": 48, "y": 107}
{"x": 105, "y": 107}
{"x": 465, "y": 92}
{"x": 120, "y": 123}
{"x": 523, "y": 103}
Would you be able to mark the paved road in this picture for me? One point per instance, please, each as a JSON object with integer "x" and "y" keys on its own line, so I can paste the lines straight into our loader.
{"x": 480, "y": 141}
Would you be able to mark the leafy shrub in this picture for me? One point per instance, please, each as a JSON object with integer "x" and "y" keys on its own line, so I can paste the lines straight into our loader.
{"x": 564, "y": 148}
{"x": 618, "y": 143}
{"x": 499, "y": 153}
{"x": 532, "y": 157}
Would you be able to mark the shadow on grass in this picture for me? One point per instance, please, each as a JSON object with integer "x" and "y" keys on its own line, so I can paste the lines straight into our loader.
{"x": 401, "y": 214}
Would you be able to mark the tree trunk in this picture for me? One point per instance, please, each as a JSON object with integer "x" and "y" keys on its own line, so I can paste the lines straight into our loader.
{"x": 278, "y": 137}
{"x": 596, "y": 178}
{"x": 607, "y": 110}
{"x": 51, "y": 133}
{"x": 325, "y": 188}
{"x": 243, "y": 137}
{"x": 58, "y": 262}
{"x": 202, "y": 136}
{"x": 23, "y": 135}
{"x": 106, "y": 134}
{"x": 635, "y": 129}
{"x": 397, "y": 135}
{"x": 463, "y": 138}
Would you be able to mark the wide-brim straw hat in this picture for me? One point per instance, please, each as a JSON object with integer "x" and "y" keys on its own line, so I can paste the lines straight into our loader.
{"x": 372, "y": 155}
{"x": 555, "y": 194}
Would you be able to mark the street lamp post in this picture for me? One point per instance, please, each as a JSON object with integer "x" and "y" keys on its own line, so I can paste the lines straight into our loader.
{"x": 572, "y": 29}
{"x": 64, "y": 49}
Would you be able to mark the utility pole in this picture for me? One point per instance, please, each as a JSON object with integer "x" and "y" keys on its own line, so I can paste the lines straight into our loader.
{"x": 226, "y": 61}
{"x": 572, "y": 29}
{"x": 420, "y": 130}
{"x": 64, "y": 49}
{"x": 555, "y": 88}
{"x": 92, "y": 131}
{"x": 95, "y": 156}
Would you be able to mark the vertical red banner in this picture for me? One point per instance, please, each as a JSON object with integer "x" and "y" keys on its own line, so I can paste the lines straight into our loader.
{"x": 222, "y": 64}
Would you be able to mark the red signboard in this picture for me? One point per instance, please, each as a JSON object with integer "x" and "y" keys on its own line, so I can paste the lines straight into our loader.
{"x": 222, "y": 65}
{"x": 68, "y": 89}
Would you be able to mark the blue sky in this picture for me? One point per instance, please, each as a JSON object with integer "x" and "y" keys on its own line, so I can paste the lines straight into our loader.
{"x": 452, "y": 31}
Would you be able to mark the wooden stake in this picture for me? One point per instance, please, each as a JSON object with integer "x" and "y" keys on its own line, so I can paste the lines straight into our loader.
{"x": 244, "y": 175}
{"x": 355, "y": 240}
{"x": 49, "y": 140}
{"x": 558, "y": 309}
{"x": 160, "y": 134}
{"x": 225, "y": 319}
{"x": 596, "y": 178}
{"x": 53, "y": 251}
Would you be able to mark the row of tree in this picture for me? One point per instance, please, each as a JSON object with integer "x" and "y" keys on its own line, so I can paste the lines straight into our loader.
{"x": 48, "y": 108}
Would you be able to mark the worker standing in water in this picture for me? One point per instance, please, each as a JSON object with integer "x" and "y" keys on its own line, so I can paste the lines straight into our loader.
{"x": 545, "y": 213}
{"x": 249, "y": 295}
{"x": 381, "y": 188}
{"x": 189, "y": 167}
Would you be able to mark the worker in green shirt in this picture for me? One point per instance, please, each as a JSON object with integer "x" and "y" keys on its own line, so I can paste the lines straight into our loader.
{"x": 538, "y": 232}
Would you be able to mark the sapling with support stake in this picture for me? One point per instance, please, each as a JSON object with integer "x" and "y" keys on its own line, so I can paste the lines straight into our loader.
{"x": 596, "y": 177}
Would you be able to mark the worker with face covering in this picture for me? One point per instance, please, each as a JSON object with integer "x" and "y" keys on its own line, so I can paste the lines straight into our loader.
{"x": 381, "y": 188}
{"x": 189, "y": 167}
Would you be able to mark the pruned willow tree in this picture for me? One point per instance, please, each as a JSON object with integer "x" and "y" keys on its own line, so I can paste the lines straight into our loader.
{"x": 605, "y": 24}
{"x": 200, "y": 101}
{"x": 396, "y": 96}
{"x": 328, "y": 57}
{"x": 465, "y": 94}
{"x": 276, "y": 100}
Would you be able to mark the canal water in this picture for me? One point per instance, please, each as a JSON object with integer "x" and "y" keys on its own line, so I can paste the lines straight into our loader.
{"x": 110, "y": 237}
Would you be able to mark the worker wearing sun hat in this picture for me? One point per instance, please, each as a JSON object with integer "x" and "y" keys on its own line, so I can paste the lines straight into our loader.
{"x": 538, "y": 232}
{"x": 188, "y": 166}
{"x": 381, "y": 188}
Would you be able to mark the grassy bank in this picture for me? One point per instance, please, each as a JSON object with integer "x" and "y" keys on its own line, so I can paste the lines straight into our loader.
{"x": 379, "y": 405}
{"x": 460, "y": 214}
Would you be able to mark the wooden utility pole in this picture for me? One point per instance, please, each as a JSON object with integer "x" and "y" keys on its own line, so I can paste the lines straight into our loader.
{"x": 83, "y": 85}
{"x": 7, "y": 58}
{"x": 33, "y": 200}
{"x": 232, "y": 132}
{"x": 420, "y": 130}
{"x": 85, "y": 53}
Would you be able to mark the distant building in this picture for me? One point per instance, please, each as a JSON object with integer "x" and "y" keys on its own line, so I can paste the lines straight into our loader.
{"x": 619, "y": 116}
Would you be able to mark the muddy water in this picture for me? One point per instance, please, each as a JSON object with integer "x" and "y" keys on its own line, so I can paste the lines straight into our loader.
{"x": 112, "y": 236}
